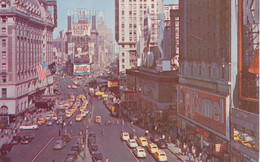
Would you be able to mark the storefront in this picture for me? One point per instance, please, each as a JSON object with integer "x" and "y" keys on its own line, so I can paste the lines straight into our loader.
{"x": 204, "y": 122}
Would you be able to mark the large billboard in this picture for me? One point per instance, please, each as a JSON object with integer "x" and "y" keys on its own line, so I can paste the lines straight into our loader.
{"x": 208, "y": 110}
{"x": 81, "y": 69}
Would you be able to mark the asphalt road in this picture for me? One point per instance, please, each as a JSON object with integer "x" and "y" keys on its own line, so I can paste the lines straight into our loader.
{"x": 41, "y": 148}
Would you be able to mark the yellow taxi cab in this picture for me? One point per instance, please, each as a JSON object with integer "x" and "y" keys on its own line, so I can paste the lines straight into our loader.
{"x": 160, "y": 155}
{"x": 41, "y": 120}
{"x": 74, "y": 108}
{"x": 52, "y": 113}
{"x": 69, "y": 114}
{"x": 152, "y": 148}
{"x": 142, "y": 141}
{"x": 79, "y": 117}
{"x": 83, "y": 107}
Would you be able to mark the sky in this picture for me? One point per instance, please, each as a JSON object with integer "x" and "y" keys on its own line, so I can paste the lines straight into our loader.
{"x": 107, "y": 6}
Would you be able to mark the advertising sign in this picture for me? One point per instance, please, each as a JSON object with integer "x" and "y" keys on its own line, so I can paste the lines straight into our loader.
{"x": 208, "y": 110}
{"x": 112, "y": 83}
{"x": 81, "y": 69}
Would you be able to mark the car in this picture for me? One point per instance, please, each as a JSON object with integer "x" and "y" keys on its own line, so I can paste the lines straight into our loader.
{"x": 91, "y": 140}
{"x": 52, "y": 113}
{"x": 161, "y": 143}
{"x": 142, "y": 141}
{"x": 28, "y": 135}
{"x": 91, "y": 134}
{"x": 55, "y": 117}
{"x": 41, "y": 121}
{"x": 131, "y": 143}
{"x": 76, "y": 147}
{"x": 49, "y": 122}
{"x": 66, "y": 137}
{"x": 69, "y": 114}
{"x": 125, "y": 136}
{"x": 74, "y": 86}
{"x": 59, "y": 121}
{"x": 72, "y": 155}
{"x": 93, "y": 148}
{"x": 24, "y": 141}
{"x": 59, "y": 144}
{"x": 152, "y": 148}
{"x": 133, "y": 136}
{"x": 154, "y": 138}
{"x": 139, "y": 152}
{"x": 16, "y": 139}
{"x": 84, "y": 113}
{"x": 98, "y": 119}
{"x": 6, "y": 147}
{"x": 48, "y": 116}
{"x": 97, "y": 157}
{"x": 160, "y": 155}
{"x": 69, "y": 86}
{"x": 79, "y": 118}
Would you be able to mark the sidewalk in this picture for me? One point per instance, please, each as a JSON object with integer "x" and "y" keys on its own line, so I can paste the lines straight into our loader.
{"x": 175, "y": 150}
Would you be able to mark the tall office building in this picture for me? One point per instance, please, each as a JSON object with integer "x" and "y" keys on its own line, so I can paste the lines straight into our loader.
{"x": 218, "y": 91}
{"x": 129, "y": 18}
{"x": 26, "y": 35}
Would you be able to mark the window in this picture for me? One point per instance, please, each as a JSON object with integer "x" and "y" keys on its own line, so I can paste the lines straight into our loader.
{"x": 123, "y": 66}
{"x": 3, "y": 42}
{"x": 130, "y": 12}
{"x": 123, "y": 54}
{"x": 123, "y": 60}
{"x": 152, "y": 5}
{"x": 3, "y": 30}
{"x": 3, "y": 54}
{"x": 3, "y": 66}
{"x": 4, "y": 79}
{"x": 4, "y": 93}
{"x": 140, "y": 6}
{"x": 123, "y": 12}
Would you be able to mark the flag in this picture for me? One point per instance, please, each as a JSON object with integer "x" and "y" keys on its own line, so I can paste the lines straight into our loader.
{"x": 41, "y": 71}
{"x": 52, "y": 68}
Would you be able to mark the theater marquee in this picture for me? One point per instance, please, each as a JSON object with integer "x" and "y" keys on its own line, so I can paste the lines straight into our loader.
{"x": 210, "y": 111}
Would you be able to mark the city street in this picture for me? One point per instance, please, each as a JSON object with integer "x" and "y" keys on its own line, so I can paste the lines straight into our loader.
{"x": 41, "y": 147}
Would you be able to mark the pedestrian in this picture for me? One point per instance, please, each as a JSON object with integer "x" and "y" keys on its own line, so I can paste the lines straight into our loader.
{"x": 106, "y": 159}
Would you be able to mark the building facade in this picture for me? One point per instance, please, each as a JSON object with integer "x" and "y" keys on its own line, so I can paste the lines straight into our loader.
{"x": 209, "y": 106}
{"x": 129, "y": 18}
{"x": 26, "y": 42}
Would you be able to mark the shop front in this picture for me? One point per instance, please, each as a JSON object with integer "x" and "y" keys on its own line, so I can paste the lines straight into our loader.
{"x": 203, "y": 122}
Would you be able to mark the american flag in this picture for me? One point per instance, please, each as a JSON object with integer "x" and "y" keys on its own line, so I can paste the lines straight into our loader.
{"x": 41, "y": 71}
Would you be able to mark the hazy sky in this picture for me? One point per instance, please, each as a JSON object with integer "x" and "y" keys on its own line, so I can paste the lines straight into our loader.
{"x": 107, "y": 6}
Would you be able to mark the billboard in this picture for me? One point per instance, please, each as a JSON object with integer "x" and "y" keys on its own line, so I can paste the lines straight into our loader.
{"x": 112, "y": 83}
{"x": 81, "y": 69}
{"x": 208, "y": 110}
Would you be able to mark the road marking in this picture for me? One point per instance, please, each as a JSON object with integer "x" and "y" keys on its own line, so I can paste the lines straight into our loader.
{"x": 42, "y": 149}
{"x": 131, "y": 152}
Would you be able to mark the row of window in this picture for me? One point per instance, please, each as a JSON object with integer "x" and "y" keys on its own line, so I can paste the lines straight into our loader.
{"x": 136, "y": 0}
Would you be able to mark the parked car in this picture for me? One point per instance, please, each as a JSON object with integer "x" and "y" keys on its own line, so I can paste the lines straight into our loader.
{"x": 16, "y": 139}
{"x": 139, "y": 152}
{"x": 59, "y": 121}
{"x": 93, "y": 148}
{"x": 24, "y": 141}
{"x": 59, "y": 144}
{"x": 97, "y": 157}
{"x": 29, "y": 126}
{"x": 7, "y": 147}
{"x": 131, "y": 143}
